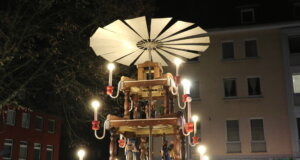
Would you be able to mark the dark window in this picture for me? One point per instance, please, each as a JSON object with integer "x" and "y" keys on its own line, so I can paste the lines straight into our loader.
{"x": 230, "y": 87}
{"x": 195, "y": 90}
{"x": 7, "y": 149}
{"x": 228, "y": 50}
{"x": 296, "y": 10}
{"x": 251, "y": 48}
{"x": 37, "y": 151}
{"x": 23, "y": 150}
{"x": 257, "y": 130}
{"x": 233, "y": 144}
{"x": 39, "y": 123}
{"x": 11, "y": 117}
{"x": 51, "y": 126}
{"x": 25, "y": 120}
{"x": 258, "y": 143}
{"x": 254, "y": 87}
{"x": 294, "y": 44}
{"x": 49, "y": 152}
{"x": 247, "y": 16}
{"x": 232, "y": 130}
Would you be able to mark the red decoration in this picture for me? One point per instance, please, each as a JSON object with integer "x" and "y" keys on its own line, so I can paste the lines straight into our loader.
{"x": 189, "y": 127}
{"x": 95, "y": 125}
{"x": 177, "y": 80}
{"x": 109, "y": 90}
{"x": 195, "y": 140}
{"x": 184, "y": 97}
{"x": 121, "y": 143}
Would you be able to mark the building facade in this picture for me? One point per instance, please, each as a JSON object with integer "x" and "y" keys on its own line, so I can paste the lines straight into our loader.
{"x": 28, "y": 135}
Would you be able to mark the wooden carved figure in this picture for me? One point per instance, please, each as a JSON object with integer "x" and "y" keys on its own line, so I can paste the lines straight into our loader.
{"x": 143, "y": 149}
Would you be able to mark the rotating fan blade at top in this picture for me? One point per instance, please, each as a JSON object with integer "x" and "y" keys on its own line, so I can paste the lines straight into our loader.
{"x": 129, "y": 41}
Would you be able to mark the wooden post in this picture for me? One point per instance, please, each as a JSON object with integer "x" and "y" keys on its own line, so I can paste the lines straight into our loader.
{"x": 113, "y": 145}
{"x": 126, "y": 104}
{"x": 183, "y": 154}
{"x": 177, "y": 143}
{"x": 136, "y": 105}
{"x": 166, "y": 100}
{"x": 171, "y": 109}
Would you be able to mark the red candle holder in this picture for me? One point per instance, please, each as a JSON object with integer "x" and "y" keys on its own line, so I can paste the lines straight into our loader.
{"x": 95, "y": 125}
{"x": 177, "y": 80}
{"x": 189, "y": 127}
{"x": 184, "y": 97}
{"x": 109, "y": 90}
{"x": 195, "y": 140}
{"x": 121, "y": 143}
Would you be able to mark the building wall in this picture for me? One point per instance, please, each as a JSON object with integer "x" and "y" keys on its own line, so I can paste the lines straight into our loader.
{"x": 214, "y": 109}
{"x": 31, "y": 135}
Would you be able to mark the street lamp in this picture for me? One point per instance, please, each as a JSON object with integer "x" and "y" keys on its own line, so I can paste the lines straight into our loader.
{"x": 81, "y": 154}
{"x": 201, "y": 149}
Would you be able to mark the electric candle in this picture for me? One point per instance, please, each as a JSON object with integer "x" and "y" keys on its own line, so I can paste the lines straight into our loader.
{"x": 95, "y": 105}
{"x": 195, "y": 119}
{"x": 110, "y": 67}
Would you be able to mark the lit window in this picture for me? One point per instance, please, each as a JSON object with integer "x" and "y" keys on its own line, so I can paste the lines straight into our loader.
{"x": 258, "y": 143}
{"x": 251, "y": 48}
{"x": 37, "y": 151}
{"x": 7, "y": 149}
{"x": 51, "y": 126}
{"x": 247, "y": 16}
{"x": 25, "y": 120}
{"x": 296, "y": 83}
{"x": 194, "y": 92}
{"x": 11, "y": 116}
{"x": 230, "y": 87}
{"x": 39, "y": 123}
{"x": 233, "y": 136}
{"x": 228, "y": 50}
{"x": 254, "y": 86}
{"x": 23, "y": 150}
{"x": 49, "y": 151}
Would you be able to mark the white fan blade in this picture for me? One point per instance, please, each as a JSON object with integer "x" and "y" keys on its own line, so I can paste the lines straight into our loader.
{"x": 178, "y": 26}
{"x": 181, "y": 53}
{"x": 167, "y": 55}
{"x": 157, "y": 25}
{"x": 200, "y": 48}
{"x": 120, "y": 28}
{"x": 188, "y": 41}
{"x": 116, "y": 55}
{"x": 139, "y": 25}
{"x": 143, "y": 58}
{"x": 127, "y": 60}
{"x": 191, "y": 32}
{"x": 157, "y": 58}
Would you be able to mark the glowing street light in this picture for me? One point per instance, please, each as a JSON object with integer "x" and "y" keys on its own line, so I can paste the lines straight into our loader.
{"x": 195, "y": 119}
{"x": 95, "y": 104}
{"x": 81, "y": 154}
{"x": 110, "y": 67}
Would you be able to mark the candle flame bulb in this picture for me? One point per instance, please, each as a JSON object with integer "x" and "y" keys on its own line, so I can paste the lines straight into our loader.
{"x": 110, "y": 66}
